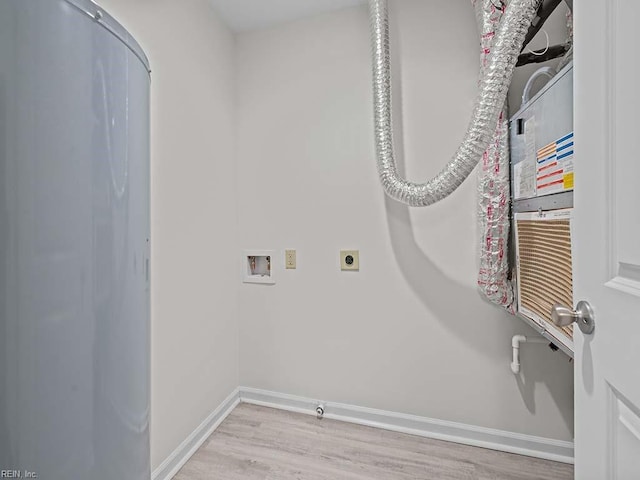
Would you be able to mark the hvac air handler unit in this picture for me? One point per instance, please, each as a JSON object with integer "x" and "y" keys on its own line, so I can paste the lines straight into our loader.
{"x": 542, "y": 181}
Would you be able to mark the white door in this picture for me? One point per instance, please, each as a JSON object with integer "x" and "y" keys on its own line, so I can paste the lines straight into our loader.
{"x": 607, "y": 238}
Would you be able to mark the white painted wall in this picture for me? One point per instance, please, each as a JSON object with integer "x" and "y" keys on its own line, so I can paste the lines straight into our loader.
{"x": 194, "y": 220}
{"x": 408, "y": 333}
{"x": 254, "y": 14}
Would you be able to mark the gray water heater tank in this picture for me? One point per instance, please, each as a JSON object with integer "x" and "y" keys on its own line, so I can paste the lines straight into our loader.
{"x": 74, "y": 244}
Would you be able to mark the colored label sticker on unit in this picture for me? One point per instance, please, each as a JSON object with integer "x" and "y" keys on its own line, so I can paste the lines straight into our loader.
{"x": 555, "y": 166}
{"x": 568, "y": 181}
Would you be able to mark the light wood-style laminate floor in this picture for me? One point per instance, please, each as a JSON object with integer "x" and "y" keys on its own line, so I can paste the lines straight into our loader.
{"x": 257, "y": 443}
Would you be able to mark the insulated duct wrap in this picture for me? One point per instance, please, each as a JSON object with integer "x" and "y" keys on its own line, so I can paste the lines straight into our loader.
{"x": 494, "y": 85}
{"x": 494, "y": 189}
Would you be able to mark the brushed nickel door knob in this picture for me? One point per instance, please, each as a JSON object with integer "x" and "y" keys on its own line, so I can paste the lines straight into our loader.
{"x": 583, "y": 315}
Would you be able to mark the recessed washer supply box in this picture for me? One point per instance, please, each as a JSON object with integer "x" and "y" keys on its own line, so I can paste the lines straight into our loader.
{"x": 542, "y": 184}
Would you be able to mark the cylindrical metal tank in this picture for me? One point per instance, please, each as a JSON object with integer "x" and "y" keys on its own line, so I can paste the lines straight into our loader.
{"x": 74, "y": 244}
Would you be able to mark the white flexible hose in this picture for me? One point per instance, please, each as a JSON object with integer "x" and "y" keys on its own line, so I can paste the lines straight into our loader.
{"x": 541, "y": 72}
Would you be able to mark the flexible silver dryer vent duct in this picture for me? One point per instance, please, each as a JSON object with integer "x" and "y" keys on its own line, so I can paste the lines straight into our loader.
{"x": 494, "y": 85}
{"x": 494, "y": 189}
{"x": 502, "y": 31}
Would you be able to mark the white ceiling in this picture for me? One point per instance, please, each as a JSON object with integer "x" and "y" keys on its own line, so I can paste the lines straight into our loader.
{"x": 244, "y": 15}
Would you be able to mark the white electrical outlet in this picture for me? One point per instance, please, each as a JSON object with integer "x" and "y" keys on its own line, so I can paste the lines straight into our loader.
{"x": 290, "y": 259}
{"x": 350, "y": 260}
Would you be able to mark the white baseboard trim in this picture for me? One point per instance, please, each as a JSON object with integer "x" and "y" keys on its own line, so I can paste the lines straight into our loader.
{"x": 517, "y": 443}
{"x": 539, "y": 447}
{"x": 174, "y": 462}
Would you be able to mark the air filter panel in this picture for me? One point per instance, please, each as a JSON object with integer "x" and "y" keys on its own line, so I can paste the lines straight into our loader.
{"x": 544, "y": 267}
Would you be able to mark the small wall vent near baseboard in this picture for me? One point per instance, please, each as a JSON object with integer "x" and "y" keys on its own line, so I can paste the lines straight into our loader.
{"x": 544, "y": 267}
